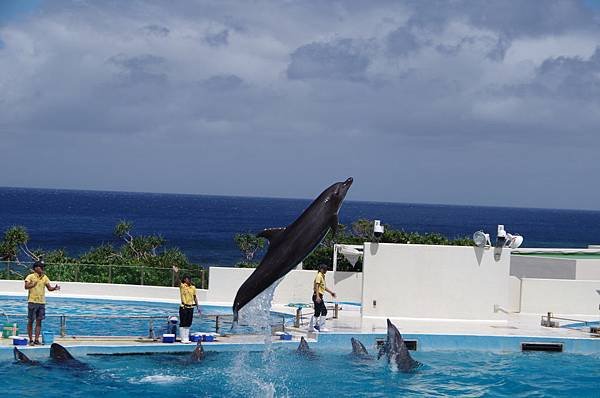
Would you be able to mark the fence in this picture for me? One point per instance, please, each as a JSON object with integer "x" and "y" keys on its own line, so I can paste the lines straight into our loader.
{"x": 104, "y": 325}
{"x": 99, "y": 273}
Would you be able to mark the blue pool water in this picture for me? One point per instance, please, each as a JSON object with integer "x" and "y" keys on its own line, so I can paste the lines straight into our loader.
{"x": 333, "y": 372}
{"x": 113, "y": 327}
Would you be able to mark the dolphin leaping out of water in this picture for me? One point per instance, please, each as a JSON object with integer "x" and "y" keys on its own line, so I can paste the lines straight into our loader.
{"x": 289, "y": 246}
{"x": 358, "y": 349}
{"x": 396, "y": 351}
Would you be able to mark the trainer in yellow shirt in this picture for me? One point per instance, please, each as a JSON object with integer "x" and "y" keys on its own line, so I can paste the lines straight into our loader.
{"x": 36, "y": 284}
{"x": 317, "y": 321}
{"x": 187, "y": 292}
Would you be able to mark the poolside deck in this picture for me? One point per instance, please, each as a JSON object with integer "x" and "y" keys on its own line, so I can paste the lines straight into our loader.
{"x": 432, "y": 334}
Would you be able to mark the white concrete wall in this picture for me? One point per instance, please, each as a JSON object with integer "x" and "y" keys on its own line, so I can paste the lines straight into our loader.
{"x": 104, "y": 290}
{"x": 539, "y": 296}
{"x": 420, "y": 281}
{"x": 296, "y": 286}
{"x": 588, "y": 269}
{"x": 514, "y": 294}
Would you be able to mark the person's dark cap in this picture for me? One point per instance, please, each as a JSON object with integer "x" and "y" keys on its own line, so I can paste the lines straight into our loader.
{"x": 322, "y": 266}
{"x": 38, "y": 264}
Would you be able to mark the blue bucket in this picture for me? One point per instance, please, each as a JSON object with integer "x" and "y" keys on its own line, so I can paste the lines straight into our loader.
{"x": 48, "y": 337}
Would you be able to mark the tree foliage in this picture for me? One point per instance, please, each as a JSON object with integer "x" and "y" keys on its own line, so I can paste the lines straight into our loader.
{"x": 137, "y": 259}
{"x": 249, "y": 245}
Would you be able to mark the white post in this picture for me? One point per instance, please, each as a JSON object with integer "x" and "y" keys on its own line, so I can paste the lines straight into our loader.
{"x": 335, "y": 251}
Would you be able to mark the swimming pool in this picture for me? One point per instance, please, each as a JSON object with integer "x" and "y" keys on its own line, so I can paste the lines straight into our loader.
{"x": 78, "y": 326}
{"x": 333, "y": 372}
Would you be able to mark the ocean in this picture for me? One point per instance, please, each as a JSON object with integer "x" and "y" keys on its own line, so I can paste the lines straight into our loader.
{"x": 204, "y": 226}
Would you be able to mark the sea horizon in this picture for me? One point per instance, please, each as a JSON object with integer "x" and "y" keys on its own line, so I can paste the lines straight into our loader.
{"x": 381, "y": 202}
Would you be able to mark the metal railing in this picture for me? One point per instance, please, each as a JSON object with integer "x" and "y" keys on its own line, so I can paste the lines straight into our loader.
{"x": 217, "y": 318}
{"x": 547, "y": 321}
{"x": 109, "y": 273}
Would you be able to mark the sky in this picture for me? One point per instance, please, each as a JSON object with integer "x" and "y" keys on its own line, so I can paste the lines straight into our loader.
{"x": 455, "y": 102}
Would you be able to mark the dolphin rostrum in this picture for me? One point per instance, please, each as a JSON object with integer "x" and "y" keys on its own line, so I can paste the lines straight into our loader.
{"x": 289, "y": 246}
{"x": 59, "y": 354}
{"x": 22, "y": 358}
{"x": 358, "y": 349}
{"x": 396, "y": 350}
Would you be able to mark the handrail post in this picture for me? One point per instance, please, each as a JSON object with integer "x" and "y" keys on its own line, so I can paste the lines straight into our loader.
{"x": 110, "y": 273}
{"x": 298, "y": 317}
{"x": 172, "y": 278}
{"x": 141, "y": 275}
{"x": 63, "y": 325}
{"x": 77, "y": 273}
{"x": 202, "y": 274}
{"x": 151, "y": 328}
{"x": 217, "y": 324}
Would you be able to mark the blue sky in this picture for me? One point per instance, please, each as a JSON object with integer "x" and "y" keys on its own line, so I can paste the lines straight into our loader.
{"x": 461, "y": 102}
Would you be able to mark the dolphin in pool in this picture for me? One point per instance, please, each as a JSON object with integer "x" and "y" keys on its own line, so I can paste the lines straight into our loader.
{"x": 358, "y": 349}
{"x": 290, "y": 245}
{"x": 59, "y": 354}
{"x": 198, "y": 353}
{"x": 22, "y": 358}
{"x": 396, "y": 351}
{"x": 304, "y": 350}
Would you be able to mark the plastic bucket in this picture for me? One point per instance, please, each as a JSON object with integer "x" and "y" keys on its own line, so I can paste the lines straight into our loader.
{"x": 285, "y": 336}
{"x": 168, "y": 338}
{"x": 10, "y": 329}
{"x": 48, "y": 337}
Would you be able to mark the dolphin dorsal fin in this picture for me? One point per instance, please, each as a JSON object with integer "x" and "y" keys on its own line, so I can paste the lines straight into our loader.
{"x": 271, "y": 234}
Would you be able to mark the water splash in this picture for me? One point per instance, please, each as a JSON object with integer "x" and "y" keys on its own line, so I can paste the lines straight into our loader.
{"x": 257, "y": 313}
{"x": 249, "y": 380}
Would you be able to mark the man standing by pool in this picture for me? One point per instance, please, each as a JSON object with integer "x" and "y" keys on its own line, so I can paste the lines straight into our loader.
{"x": 317, "y": 321}
{"x": 36, "y": 283}
{"x": 187, "y": 291}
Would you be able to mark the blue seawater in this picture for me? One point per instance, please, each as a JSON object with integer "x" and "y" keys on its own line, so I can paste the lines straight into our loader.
{"x": 331, "y": 373}
{"x": 204, "y": 226}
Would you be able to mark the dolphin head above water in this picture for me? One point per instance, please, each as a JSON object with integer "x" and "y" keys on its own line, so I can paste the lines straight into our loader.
{"x": 396, "y": 350}
{"x": 60, "y": 353}
{"x": 198, "y": 353}
{"x": 22, "y": 358}
{"x": 358, "y": 348}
